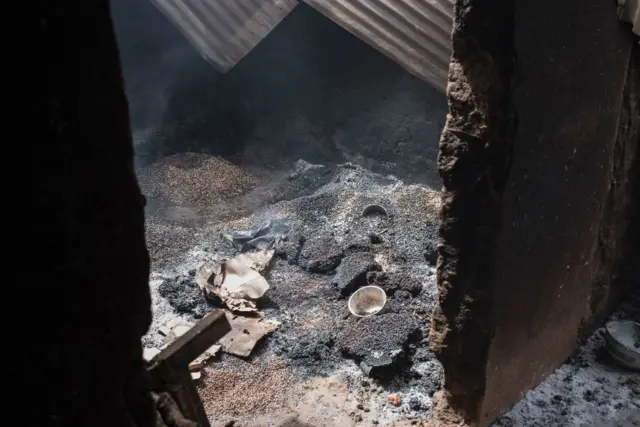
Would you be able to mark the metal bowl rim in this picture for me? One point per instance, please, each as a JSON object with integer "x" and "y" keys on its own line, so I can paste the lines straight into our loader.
{"x": 613, "y": 337}
{"x": 626, "y": 356}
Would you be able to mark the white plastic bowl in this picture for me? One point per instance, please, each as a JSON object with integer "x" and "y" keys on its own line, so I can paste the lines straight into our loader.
{"x": 367, "y": 301}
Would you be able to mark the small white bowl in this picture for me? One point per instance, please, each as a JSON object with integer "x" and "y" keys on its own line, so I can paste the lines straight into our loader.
{"x": 367, "y": 301}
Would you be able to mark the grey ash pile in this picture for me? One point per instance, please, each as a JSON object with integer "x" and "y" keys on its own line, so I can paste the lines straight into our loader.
{"x": 331, "y": 250}
{"x": 589, "y": 390}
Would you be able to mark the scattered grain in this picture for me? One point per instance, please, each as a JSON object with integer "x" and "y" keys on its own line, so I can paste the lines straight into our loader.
{"x": 255, "y": 388}
{"x": 194, "y": 179}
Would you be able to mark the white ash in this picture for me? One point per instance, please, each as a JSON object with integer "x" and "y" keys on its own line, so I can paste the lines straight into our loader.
{"x": 585, "y": 391}
{"x": 316, "y": 201}
{"x": 589, "y": 390}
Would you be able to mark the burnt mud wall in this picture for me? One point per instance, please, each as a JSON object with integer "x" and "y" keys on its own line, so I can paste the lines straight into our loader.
{"x": 309, "y": 90}
{"x": 474, "y": 158}
{"x": 615, "y": 269}
{"x": 537, "y": 236}
{"x": 559, "y": 203}
{"x": 78, "y": 266}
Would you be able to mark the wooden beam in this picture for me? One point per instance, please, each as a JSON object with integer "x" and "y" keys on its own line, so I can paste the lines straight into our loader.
{"x": 170, "y": 368}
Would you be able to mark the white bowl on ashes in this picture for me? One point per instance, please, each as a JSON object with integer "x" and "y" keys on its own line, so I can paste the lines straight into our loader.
{"x": 367, "y": 301}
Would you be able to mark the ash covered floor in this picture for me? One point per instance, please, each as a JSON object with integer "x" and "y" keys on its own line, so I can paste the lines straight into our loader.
{"x": 589, "y": 390}
{"x": 310, "y": 370}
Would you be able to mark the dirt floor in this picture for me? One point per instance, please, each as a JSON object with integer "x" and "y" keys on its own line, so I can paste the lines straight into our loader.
{"x": 322, "y": 366}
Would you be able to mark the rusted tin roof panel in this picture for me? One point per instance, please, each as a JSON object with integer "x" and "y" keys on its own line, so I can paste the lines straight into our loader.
{"x": 224, "y": 31}
{"x": 414, "y": 33}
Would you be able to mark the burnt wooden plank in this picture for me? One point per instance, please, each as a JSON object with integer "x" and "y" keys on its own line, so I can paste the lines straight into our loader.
{"x": 170, "y": 368}
{"x": 196, "y": 340}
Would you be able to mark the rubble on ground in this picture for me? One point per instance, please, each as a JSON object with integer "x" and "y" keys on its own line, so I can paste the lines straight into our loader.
{"x": 590, "y": 389}
{"x": 236, "y": 282}
{"x": 378, "y": 342}
{"x": 352, "y": 271}
{"x": 394, "y": 400}
{"x": 320, "y": 254}
{"x": 313, "y": 359}
{"x": 325, "y": 255}
{"x": 245, "y": 334}
{"x": 184, "y": 295}
{"x": 392, "y": 282}
{"x": 265, "y": 236}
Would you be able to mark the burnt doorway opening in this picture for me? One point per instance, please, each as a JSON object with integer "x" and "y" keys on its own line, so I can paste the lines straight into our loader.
{"x": 295, "y": 142}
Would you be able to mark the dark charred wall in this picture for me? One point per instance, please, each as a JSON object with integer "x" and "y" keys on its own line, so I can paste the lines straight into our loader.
{"x": 539, "y": 160}
{"x": 566, "y": 198}
{"x": 615, "y": 268}
{"x": 309, "y": 90}
{"x": 78, "y": 263}
{"x": 474, "y": 158}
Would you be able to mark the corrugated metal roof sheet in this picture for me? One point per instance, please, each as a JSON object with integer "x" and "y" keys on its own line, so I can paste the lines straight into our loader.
{"x": 414, "y": 33}
{"x": 224, "y": 31}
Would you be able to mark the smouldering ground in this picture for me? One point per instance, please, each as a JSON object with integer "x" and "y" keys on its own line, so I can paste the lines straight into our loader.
{"x": 309, "y": 368}
{"x": 309, "y": 371}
